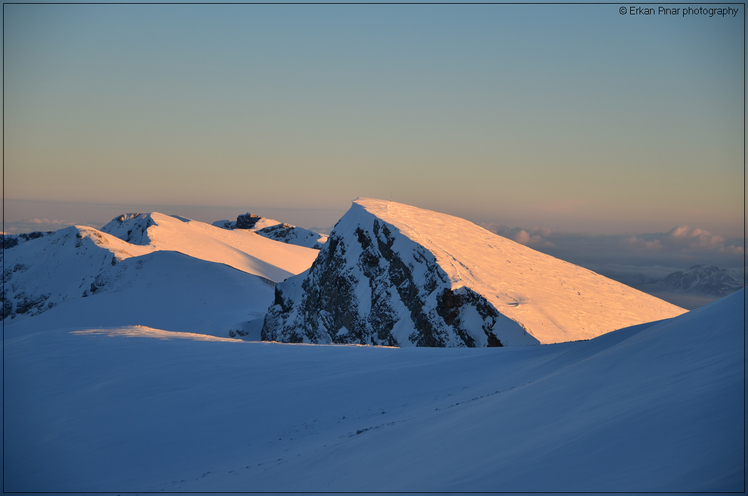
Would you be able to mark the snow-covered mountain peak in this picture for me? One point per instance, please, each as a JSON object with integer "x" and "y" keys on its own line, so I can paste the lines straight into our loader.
{"x": 396, "y": 274}
{"x": 131, "y": 227}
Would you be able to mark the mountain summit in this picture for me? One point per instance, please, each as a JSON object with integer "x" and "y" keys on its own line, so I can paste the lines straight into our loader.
{"x": 393, "y": 274}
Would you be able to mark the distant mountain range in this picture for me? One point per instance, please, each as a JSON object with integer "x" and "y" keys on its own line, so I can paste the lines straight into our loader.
{"x": 389, "y": 274}
{"x": 703, "y": 279}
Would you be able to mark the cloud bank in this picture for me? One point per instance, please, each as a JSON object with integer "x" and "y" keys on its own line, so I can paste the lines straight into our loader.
{"x": 683, "y": 239}
{"x": 635, "y": 260}
{"x": 35, "y": 224}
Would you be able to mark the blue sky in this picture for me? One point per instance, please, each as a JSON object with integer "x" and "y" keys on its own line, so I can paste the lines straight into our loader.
{"x": 570, "y": 117}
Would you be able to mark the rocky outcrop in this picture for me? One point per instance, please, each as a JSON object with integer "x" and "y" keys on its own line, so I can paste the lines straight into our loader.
{"x": 246, "y": 221}
{"x": 12, "y": 240}
{"x": 371, "y": 285}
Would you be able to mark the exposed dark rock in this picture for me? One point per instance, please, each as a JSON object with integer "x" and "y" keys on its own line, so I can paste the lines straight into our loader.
{"x": 7, "y": 307}
{"x": 278, "y": 232}
{"x": 9, "y": 241}
{"x": 12, "y": 240}
{"x": 247, "y": 221}
{"x": 237, "y": 332}
{"x": 493, "y": 341}
{"x": 287, "y": 233}
{"x": 99, "y": 282}
{"x": 26, "y": 303}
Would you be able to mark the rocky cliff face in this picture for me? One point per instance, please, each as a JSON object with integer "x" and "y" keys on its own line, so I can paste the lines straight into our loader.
{"x": 371, "y": 285}
{"x": 392, "y": 274}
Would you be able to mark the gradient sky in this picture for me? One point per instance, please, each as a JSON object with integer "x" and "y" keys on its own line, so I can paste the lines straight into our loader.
{"x": 572, "y": 117}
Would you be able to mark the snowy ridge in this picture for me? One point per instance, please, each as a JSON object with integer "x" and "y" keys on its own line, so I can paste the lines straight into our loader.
{"x": 294, "y": 235}
{"x": 244, "y": 250}
{"x": 272, "y": 229}
{"x": 399, "y": 275}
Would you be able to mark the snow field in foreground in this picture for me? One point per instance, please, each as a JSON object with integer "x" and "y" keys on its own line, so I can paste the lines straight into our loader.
{"x": 656, "y": 407}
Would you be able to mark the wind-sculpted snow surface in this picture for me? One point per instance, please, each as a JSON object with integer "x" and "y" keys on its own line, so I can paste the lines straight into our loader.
{"x": 658, "y": 407}
{"x": 392, "y": 274}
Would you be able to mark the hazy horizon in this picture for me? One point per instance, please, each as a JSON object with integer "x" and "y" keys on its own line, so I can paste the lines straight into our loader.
{"x": 629, "y": 257}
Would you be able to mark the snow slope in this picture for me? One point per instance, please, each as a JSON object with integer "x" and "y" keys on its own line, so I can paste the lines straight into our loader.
{"x": 241, "y": 249}
{"x": 656, "y": 407}
{"x": 163, "y": 289}
{"x": 398, "y": 275}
